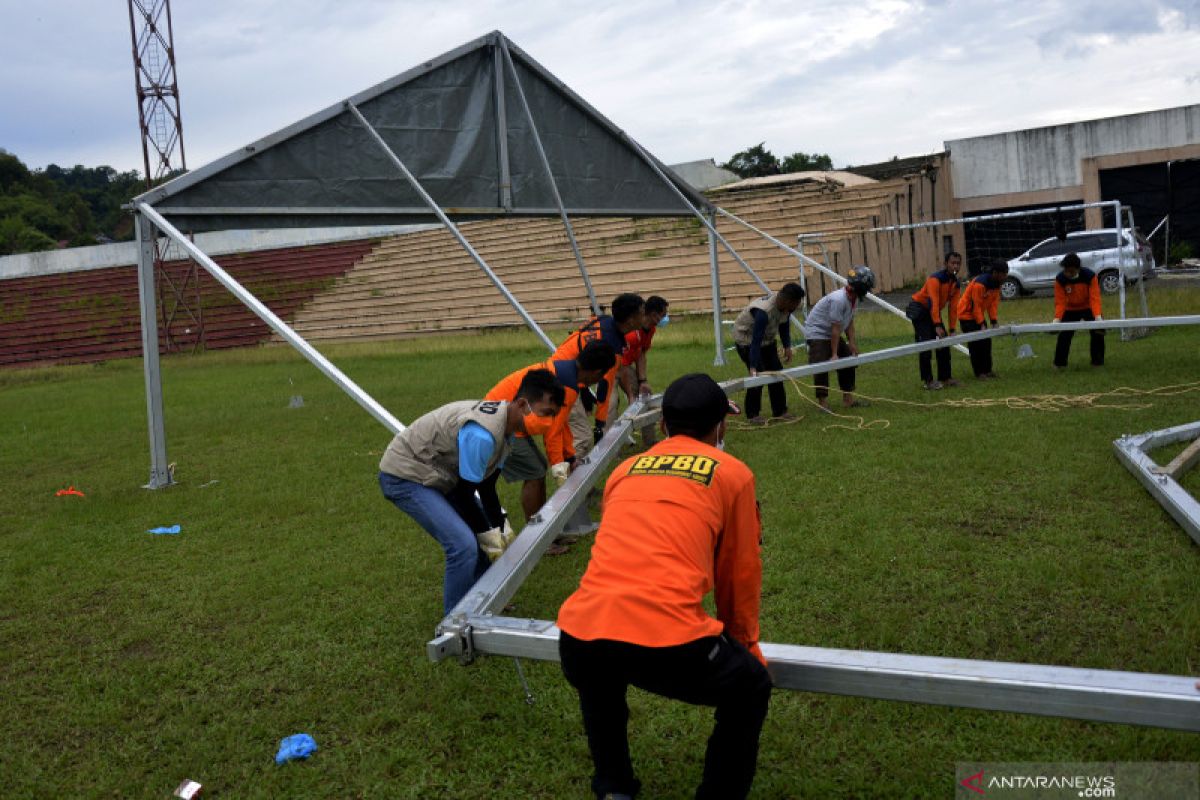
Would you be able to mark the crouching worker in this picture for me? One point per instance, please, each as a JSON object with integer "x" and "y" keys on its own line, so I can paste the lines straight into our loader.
{"x": 527, "y": 464}
{"x": 979, "y": 303}
{"x": 463, "y": 441}
{"x": 832, "y": 316}
{"x": 680, "y": 520}
{"x": 1076, "y": 299}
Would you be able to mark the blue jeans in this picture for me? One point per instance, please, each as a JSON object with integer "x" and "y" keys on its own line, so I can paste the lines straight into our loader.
{"x": 465, "y": 562}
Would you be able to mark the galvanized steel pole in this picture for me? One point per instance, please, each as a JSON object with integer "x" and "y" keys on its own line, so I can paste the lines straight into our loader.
{"x": 160, "y": 472}
{"x": 562, "y": 211}
{"x": 274, "y": 322}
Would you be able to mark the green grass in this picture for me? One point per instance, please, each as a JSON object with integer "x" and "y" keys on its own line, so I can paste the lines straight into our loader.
{"x": 296, "y": 599}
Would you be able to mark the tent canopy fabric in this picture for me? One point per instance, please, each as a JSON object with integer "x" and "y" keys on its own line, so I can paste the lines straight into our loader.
{"x": 458, "y": 124}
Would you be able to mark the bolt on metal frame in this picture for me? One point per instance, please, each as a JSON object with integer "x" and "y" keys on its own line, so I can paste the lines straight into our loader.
{"x": 476, "y": 627}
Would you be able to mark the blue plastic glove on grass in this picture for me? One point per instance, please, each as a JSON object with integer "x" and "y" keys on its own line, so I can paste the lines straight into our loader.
{"x": 298, "y": 745}
{"x": 171, "y": 529}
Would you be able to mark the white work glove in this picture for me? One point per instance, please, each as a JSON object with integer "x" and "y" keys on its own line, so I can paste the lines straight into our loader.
{"x": 491, "y": 542}
{"x": 507, "y": 534}
{"x": 560, "y": 471}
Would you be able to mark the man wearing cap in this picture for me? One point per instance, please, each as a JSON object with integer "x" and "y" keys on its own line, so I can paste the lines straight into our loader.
{"x": 830, "y": 318}
{"x": 679, "y": 521}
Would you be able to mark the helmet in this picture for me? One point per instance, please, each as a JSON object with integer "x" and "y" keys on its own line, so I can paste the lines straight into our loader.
{"x": 861, "y": 280}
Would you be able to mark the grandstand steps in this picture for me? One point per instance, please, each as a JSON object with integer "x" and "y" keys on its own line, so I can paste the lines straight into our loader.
{"x": 425, "y": 282}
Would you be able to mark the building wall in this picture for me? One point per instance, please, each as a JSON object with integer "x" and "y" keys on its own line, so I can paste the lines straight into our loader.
{"x": 1060, "y": 164}
{"x": 120, "y": 254}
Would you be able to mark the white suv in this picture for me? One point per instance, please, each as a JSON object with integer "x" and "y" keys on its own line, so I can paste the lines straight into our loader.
{"x": 1098, "y": 250}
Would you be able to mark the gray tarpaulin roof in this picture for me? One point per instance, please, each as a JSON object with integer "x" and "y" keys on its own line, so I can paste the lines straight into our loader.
{"x": 458, "y": 124}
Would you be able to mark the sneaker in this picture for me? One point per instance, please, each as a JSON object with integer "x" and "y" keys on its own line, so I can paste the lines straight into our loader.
{"x": 759, "y": 420}
{"x": 786, "y": 416}
{"x": 990, "y": 375}
{"x": 933, "y": 386}
{"x": 858, "y": 403}
{"x": 949, "y": 382}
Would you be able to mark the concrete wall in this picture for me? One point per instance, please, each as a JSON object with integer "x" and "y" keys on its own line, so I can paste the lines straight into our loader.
{"x": 1046, "y": 164}
{"x": 75, "y": 259}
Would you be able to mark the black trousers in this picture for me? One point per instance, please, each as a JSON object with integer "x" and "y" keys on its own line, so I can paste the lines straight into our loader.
{"x": 821, "y": 350}
{"x": 981, "y": 351}
{"x": 1063, "y": 349}
{"x": 480, "y": 514}
{"x": 925, "y": 330}
{"x": 768, "y": 361}
{"x": 713, "y": 671}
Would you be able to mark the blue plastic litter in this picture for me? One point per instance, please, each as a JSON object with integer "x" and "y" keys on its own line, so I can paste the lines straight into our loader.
{"x": 171, "y": 529}
{"x": 298, "y": 745}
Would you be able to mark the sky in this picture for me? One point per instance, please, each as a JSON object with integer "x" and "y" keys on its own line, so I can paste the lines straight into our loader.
{"x": 689, "y": 79}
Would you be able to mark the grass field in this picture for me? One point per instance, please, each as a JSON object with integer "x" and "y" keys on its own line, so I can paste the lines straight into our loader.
{"x": 297, "y": 600}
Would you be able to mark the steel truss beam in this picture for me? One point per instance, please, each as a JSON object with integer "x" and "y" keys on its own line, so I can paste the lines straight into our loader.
{"x": 1163, "y": 485}
{"x": 474, "y": 627}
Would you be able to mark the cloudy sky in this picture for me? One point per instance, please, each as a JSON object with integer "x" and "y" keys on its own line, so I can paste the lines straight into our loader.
{"x": 689, "y": 79}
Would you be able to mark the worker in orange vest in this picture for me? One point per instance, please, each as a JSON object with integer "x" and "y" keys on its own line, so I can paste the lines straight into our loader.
{"x": 679, "y": 521}
{"x": 526, "y": 463}
{"x": 925, "y": 312}
{"x": 980, "y": 302}
{"x": 1076, "y": 298}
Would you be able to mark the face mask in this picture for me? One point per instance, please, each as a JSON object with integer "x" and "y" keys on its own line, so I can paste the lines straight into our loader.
{"x": 662, "y": 323}
{"x": 537, "y": 426}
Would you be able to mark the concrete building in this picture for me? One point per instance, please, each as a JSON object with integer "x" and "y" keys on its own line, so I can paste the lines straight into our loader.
{"x": 1149, "y": 161}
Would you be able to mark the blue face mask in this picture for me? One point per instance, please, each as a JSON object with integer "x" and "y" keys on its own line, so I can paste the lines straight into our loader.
{"x": 662, "y": 323}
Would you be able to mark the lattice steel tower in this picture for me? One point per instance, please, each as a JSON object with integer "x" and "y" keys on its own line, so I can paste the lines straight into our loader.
{"x": 177, "y": 279}
{"x": 157, "y": 92}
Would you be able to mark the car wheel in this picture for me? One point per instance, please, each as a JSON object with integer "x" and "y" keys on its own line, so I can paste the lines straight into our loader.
{"x": 1110, "y": 281}
{"x": 1010, "y": 289}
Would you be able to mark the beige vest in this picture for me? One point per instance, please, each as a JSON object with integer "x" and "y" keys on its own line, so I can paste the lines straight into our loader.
{"x": 743, "y": 326}
{"x": 426, "y": 452}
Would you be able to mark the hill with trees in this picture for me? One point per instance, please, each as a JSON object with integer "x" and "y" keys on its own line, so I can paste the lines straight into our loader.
{"x": 59, "y": 207}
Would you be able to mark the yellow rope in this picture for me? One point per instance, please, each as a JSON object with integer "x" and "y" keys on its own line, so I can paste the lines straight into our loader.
{"x": 1037, "y": 402}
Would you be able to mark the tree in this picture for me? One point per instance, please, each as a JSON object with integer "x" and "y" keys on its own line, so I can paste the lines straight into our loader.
{"x": 754, "y": 162}
{"x": 17, "y": 237}
{"x": 12, "y": 172}
{"x": 804, "y": 162}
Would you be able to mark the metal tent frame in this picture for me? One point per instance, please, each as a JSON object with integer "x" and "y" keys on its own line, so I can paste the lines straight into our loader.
{"x": 476, "y": 625}
{"x": 303, "y": 174}
{"x": 1163, "y": 482}
{"x": 257, "y": 185}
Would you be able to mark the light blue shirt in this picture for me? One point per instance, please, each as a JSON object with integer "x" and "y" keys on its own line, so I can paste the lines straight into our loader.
{"x": 475, "y": 448}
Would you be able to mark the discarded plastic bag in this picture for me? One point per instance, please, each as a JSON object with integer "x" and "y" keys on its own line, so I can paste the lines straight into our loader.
{"x": 296, "y": 746}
